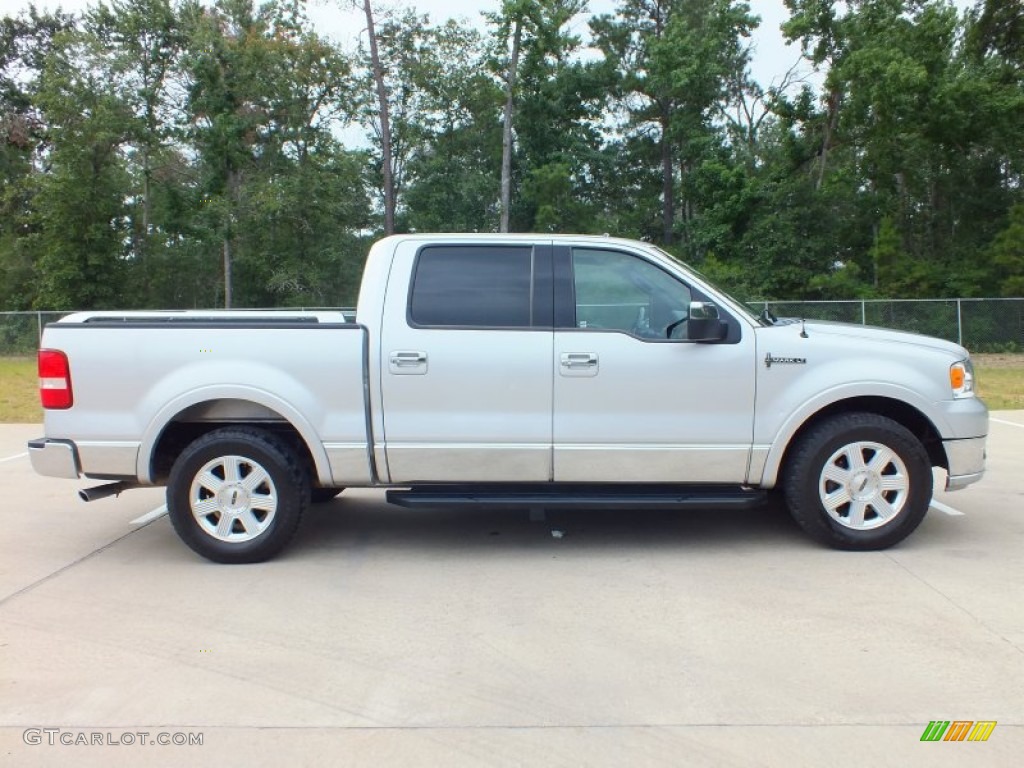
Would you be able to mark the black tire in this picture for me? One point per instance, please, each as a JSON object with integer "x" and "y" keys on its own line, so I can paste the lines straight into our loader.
{"x": 244, "y": 524}
{"x": 844, "y": 457}
{"x": 323, "y": 495}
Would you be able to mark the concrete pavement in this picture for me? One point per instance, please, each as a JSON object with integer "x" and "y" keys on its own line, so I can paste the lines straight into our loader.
{"x": 385, "y": 636}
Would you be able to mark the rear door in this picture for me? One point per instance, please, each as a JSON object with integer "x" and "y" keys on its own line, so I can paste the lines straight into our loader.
{"x": 635, "y": 399}
{"x": 466, "y": 364}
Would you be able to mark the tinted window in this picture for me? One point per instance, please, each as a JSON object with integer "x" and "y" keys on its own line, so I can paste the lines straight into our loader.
{"x": 483, "y": 287}
{"x": 619, "y": 291}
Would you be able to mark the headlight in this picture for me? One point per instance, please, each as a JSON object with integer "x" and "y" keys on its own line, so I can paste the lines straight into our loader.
{"x": 961, "y": 379}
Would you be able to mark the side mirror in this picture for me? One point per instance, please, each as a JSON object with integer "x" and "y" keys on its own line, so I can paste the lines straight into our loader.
{"x": 704, "y": 323}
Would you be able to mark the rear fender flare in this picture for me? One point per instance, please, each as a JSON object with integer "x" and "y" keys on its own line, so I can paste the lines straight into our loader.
{"x": 171, "y": 410}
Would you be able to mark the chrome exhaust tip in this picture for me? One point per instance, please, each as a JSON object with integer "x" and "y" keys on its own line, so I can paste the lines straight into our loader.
{"x": 102, "y": 491}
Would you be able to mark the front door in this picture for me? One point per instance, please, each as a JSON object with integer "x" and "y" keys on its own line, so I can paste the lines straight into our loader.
{"x": 467, "y": 363}
{"x": 634, "y": 399}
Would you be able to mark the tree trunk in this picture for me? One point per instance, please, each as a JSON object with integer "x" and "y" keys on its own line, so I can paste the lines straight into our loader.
{"x": 226, "y": 252}
{"x": 687, "y": 211}
{"x": 142, "y": 247}
{"x": 147, "y": 165}
{"x": 506, "y": 133}
{"x": 146, "y": 195}
{"x": 667, "y": 187}
{"x": 385, "y": 124}
{"x": 830, "y": 127}
{"x": 234, "y": 184}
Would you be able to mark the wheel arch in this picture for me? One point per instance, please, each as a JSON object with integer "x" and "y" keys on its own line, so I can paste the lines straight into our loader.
{"x": 900, "y": 411}
{"x": 197, "y": 413}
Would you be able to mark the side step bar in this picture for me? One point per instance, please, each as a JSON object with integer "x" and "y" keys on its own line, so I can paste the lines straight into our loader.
{"x": 578, "y": 496}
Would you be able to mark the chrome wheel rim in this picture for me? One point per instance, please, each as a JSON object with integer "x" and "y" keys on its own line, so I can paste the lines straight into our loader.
{"x": 864, "y": 485}
{"x": 233, "y": 499}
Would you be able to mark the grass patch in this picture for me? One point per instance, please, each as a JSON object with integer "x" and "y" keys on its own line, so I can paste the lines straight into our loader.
{"x": 1000, "y": 380}
{"x": 19, "y": 391}
{"x": 1000, "y": 384}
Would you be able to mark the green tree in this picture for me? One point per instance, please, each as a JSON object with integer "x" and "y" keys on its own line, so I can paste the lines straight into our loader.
{"x": 1007, "y": 253}
{"x": 227, "y": 60}
{"x": 556, "y": 155}
{"x": 676, "y": 63}
{"x": 917, "y": 109}
{"x": 25, "y": 43}
{"x": 452, "y": 172}
{"x": 510, "y": 23}
{"x": 266, "y": 96}
{"x": 142, "y": 42}
{"x": 79, "y": 203}
{"x": 996, "y": 32}
{"x": 382, "y": 119}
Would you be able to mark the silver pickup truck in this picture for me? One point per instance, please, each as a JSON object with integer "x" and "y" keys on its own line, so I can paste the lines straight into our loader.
{"x": 512, "y": 370}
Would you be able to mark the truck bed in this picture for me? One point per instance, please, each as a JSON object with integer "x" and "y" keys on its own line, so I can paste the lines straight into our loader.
{"x": 149, "y": 374}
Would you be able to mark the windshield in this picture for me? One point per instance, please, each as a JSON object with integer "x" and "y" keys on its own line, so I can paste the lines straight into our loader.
{"x": 735, "y": 302}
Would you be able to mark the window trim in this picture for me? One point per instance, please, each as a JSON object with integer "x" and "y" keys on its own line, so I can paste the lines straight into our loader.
{"x": 539, "y": 304}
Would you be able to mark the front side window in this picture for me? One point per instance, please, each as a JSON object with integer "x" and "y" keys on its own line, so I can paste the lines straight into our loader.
{"x": 472, "y": 287}
{"x": 620, "y": 291}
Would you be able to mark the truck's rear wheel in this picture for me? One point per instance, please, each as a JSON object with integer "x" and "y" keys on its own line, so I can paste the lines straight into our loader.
{"x": 858, "y": 481}
{"x": 237, "y": 495}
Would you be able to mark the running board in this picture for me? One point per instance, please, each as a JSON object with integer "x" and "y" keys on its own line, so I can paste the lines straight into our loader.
{"x": 577, "y": 496}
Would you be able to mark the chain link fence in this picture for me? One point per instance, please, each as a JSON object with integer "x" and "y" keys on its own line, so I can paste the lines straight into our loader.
{"x": 20, "y": 332}
{"x": 981, "y": 325}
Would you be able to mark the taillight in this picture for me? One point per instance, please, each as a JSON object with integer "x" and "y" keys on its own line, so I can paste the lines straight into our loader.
{"x": 54, "y": 379}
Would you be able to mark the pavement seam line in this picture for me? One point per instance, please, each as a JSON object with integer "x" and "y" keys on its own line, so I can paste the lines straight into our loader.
{"x": 957, "y": 605}
{"x": 945, "y": 508}
{"x": 491, "y": 727}
{"x": 152, "y": 516}
{"x": 1007, "y": 423}
{"x": 15, "y": 456}
{"x": 69, "y": 566}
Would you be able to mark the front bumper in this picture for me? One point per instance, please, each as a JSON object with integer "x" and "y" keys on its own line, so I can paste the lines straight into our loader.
{"x": 54, "y": 458}
{"x": 966, "y": 459}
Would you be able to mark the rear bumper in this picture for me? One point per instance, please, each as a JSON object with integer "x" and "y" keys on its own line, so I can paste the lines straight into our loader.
{"x": 54, "y": 458}
{"x": 966, "y": 461}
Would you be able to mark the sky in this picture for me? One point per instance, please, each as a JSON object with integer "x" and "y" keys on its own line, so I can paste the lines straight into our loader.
{"x": 772, "y": 58}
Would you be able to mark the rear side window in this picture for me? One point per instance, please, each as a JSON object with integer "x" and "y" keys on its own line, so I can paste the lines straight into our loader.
{"x": 472, "y": 287}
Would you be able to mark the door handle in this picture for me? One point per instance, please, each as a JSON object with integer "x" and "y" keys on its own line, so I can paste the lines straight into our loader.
{"x": 408, "y": 358}
{"x": 407, "y": 362}
{"x": 579, "y": 359}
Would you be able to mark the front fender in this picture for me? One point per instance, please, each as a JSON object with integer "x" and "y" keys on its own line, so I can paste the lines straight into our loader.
{"x": 767, "y": 474}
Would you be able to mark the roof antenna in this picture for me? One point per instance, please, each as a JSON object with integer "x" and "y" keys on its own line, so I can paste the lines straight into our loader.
{"x": 803, "y": 328}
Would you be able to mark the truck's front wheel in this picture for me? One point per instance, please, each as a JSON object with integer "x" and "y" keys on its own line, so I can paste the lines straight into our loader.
{"x": 236, "y": 495}
{"x": 858, "y": 481}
